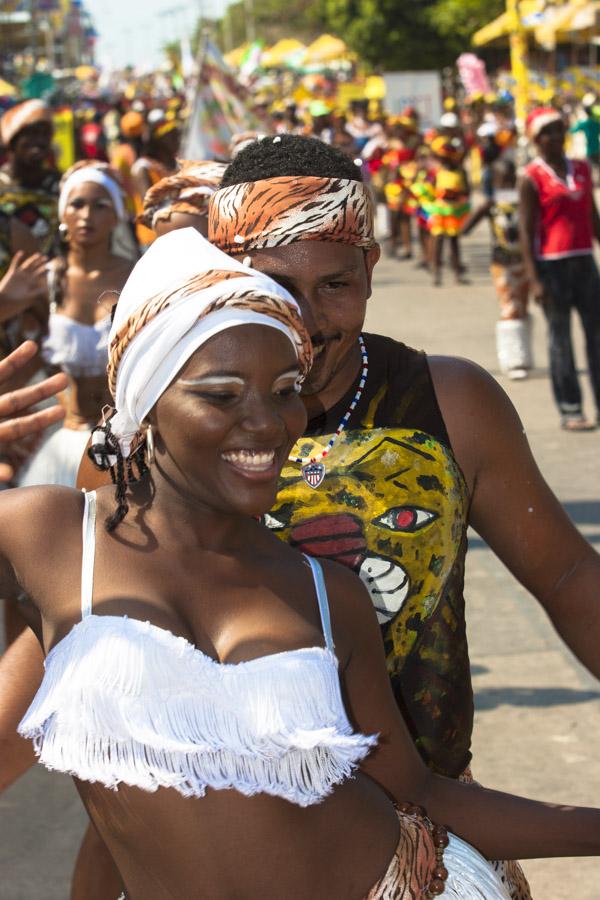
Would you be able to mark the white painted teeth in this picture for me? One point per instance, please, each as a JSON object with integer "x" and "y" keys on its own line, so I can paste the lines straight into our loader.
{"x": 250, "y": 459}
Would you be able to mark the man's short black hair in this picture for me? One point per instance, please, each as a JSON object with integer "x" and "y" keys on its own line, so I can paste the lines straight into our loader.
{"x": 289, "y": 154}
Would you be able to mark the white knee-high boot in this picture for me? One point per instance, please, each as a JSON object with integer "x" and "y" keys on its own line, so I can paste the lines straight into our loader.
{"x": 513, "y": 344}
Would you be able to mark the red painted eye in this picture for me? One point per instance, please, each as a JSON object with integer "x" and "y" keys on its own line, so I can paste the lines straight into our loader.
{"x": 405, "y": 518}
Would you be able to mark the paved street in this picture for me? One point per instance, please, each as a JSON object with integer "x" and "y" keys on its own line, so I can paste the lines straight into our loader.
{"x": 538, "y": 713}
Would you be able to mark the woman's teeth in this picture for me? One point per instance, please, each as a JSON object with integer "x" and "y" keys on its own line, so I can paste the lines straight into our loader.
{"x": 253, "y": 460}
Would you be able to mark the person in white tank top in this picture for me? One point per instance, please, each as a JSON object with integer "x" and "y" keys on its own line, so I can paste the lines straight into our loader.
{"x": 83, "y": 289}
{"x": 224, "y": 706}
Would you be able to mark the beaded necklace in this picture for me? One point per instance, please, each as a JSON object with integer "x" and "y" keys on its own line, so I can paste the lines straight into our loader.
{"x": 313, "y": 470}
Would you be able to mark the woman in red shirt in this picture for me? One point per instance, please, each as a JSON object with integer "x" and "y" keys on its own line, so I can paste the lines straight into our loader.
{"x": 559, "y": 222}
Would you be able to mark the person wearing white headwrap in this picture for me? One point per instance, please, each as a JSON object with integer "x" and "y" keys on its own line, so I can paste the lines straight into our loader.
{"x": 91, "y": 173}
{"x": 82, "y": 288}
{"x": 181, "y": 293}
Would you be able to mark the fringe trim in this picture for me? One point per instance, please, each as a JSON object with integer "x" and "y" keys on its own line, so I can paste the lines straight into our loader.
{"x": 124, "y": 701}
{"x": 470, "y": 876}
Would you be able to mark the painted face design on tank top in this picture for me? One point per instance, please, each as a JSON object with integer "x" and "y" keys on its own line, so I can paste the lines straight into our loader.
{"x": 392, "y": 508}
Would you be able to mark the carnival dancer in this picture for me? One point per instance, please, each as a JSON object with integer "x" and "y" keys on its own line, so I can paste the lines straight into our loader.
{"x": 28, "y": 181}
{"x": 513, "y": 329}
{"x": 401, "y": 170}
{"x": 559, "y": 221}
{"x": 210, "y": 695}
{"x": 181, "y": 200}
{"x": 82, "y": 289}
{"x": 449, "y": 206}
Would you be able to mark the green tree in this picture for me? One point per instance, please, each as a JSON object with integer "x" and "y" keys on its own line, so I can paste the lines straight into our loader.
{"x": 273, "y": 19}
{"x": 458, "y": 20}
{"x": 390, "y": 34}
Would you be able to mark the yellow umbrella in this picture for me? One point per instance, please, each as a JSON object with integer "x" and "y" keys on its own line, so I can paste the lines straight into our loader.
{"x": 325, "y": 49}
{"x": 6, "y": 89}
{"x": 234, "y": 57}
{"x": 575, "y": 17}
{"x": 503, "y": 25}
{"x": 279, "y": 53}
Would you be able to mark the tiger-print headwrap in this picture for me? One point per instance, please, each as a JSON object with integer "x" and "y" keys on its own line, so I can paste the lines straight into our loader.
{"x": 182, "y": 292}
{"x": 188, "y": 190}
{"x": 278, "y": 211}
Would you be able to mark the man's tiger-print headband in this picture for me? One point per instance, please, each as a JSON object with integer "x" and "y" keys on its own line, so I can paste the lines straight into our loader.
{"x": 278, "y": 211}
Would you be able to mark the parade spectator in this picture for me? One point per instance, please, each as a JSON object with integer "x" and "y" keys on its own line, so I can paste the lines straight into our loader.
{"x": 559, "y": 222}
{"x": 129, "y": 148}
{"x": 589, "y": 126}
{"x": 29, "y": 180}
{"x": 513, "y": 329}
{"x": 401, "y": 170}
{"x": 157, "y": 160}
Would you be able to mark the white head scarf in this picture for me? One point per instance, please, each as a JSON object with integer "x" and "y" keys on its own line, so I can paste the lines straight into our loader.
{"x": 97, "y": 176}
{"x": 158, "y": 351}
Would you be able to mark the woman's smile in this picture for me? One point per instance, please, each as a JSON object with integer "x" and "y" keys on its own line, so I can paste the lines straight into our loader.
{"x": 258, "y": 465}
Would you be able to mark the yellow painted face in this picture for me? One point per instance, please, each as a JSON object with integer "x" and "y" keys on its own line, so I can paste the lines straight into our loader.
{"x": 392, "y": 506}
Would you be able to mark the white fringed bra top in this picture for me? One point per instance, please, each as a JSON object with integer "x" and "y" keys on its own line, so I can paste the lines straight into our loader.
{"x": 125, "y": 701}
{"x": 79, "y": 350}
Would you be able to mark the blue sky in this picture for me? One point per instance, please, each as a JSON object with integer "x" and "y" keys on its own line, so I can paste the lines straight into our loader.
{"x": 133, "y": 31}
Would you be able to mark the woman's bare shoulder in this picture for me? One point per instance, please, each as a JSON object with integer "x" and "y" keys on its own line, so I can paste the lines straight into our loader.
{"x": 39, "y": 515}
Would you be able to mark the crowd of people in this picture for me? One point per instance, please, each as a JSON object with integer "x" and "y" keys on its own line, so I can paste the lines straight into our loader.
{"x": 255, "y": 634}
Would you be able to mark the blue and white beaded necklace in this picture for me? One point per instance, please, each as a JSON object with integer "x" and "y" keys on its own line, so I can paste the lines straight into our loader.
{"x": 313, "y": 470}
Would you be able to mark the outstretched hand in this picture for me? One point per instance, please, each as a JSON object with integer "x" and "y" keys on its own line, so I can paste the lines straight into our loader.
{"x": 16, "y": 420}
{"x": 23, "y": 284}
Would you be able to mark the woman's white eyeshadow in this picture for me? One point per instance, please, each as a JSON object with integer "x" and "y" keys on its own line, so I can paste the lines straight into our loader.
{"x": 212, "y": 380}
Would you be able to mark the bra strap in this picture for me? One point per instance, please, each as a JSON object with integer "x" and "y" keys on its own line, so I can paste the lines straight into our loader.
{"x": 321, "y": 590}
{"x": 89, "y": 552}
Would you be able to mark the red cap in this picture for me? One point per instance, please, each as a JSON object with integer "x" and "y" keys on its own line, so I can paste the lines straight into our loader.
{"x": 539, "y": 118}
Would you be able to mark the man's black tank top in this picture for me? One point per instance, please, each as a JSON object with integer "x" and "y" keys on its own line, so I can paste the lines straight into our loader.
{"x": 392, "y": 505}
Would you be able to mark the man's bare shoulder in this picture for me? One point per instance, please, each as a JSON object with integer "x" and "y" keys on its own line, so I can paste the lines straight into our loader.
{"x": 478, "y": 415}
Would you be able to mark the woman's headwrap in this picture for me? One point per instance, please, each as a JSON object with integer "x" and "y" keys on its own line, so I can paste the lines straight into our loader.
{"x": 20, "y": 116}
{"x": 188, "y": 190}
{"x": 278, "y": 211}
{"x": 97, "y": 172}
{"x": 182, "y": 292}
{"x": 132, "y": 124}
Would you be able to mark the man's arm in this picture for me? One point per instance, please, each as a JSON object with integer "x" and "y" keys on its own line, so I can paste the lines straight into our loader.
{"x": 514, "y": 510}
{"x": 476, "y": 216}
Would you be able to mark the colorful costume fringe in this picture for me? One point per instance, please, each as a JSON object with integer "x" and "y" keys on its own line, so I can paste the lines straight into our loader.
{"x": 448, "y": 205}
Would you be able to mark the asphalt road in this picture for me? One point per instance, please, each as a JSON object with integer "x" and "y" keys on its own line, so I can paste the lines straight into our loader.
{"x": 538, "y": 712}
